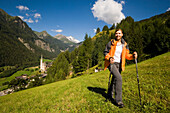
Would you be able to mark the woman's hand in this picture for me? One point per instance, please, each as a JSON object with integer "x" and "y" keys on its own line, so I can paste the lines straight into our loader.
{"x": 111, "y": 60}
{"x": 135, "y": 55}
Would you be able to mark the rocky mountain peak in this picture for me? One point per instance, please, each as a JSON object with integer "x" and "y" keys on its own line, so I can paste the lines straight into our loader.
{"x": 3, "y": 12}
{"x": 72, "y": 39}
{"x": 66, "y": 39}
{"x": 44, "y": 33}
{"x": 19, "y": 22}
{"x": 60, "y": 36}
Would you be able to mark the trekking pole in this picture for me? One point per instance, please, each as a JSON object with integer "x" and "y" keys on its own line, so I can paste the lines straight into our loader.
{"x": 138, "y": 79}
{"x": 108, "y": 84}
{"x": 108, "y": 87}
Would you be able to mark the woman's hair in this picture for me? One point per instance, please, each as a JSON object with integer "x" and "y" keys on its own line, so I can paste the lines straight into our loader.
{"x": 118, "y": 30}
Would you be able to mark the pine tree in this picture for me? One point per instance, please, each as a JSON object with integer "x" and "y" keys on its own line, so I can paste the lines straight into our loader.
{"x": 59, "y": 70}
{"x": 98, "y": 30}
{"x": 84, "y": 58}
{"x": 113, "y": 27}
{"x": 99, "y": 46}
{"x": 105, "y": 28}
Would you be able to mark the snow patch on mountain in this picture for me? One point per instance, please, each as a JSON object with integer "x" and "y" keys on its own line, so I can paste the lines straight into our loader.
{"x": 66, "y": 38}
{"x": 72, "y": 39}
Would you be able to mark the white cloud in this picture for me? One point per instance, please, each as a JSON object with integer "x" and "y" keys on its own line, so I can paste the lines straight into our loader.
{"x": 27, "y": 14}
{"x": 21, "y": 17}
{"x": 94, "y": 30}
{"x": 108, "y": 10}
{"x": 37, "y": 15}
{"x": 58, "y": 31}
{"x": 168, "y": 9}
{"x": 30, "y": 16}
{"x": 30, "y": 20}
{"x": 20, "y": 7}
{"x": 36, "y": 21}
{"x": 122, "y": 2}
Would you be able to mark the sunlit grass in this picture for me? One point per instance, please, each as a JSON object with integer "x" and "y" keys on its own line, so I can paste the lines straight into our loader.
{"x": 101, "y": 33}
{"x": 87, "y": 93}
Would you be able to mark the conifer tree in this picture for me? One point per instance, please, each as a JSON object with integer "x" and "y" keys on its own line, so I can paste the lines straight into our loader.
{"x": 59, "y": 70}
{"x": 105, "y": 28}
{"x": 113, "y": 27}
{"x": 98, "y": 30}
{"x": 84, "y": 58}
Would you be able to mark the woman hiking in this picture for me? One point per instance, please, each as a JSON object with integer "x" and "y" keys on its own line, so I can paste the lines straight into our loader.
{"x": 116, "y": 52}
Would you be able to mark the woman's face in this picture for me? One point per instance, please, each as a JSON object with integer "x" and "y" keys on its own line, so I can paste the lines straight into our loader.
{"x": 118, "y": 34}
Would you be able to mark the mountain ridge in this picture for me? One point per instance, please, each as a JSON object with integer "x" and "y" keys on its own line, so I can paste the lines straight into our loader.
{"x": 66, "y": 39}
{"x": 23, "y": 44}
{"x": 60, "y": 42}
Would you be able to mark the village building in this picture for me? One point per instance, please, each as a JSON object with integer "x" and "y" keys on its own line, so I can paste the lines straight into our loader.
{"x": 24, "y": 76}
{"x": 96, "y": 70}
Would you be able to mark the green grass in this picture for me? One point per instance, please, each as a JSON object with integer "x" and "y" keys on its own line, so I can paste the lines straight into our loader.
{"x": 87, "y": 93}
{"x": 101, "y": 33}
{"x": 47, "y": 60}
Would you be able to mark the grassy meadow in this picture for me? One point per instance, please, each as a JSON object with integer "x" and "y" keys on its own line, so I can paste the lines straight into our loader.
{"x": 103, "y": 32}
{"x": 87, "y": 93}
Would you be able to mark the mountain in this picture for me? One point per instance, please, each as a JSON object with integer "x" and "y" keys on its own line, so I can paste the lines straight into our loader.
{"x": 65, "y": 39}
{"x": 15, "y": 47}
{"x": 72, "y": 39}
{"x": 54, "y": 43}
{"x": 164, "y": 16}
{"x": 20, "y": 45}
{"x": 59, "y": 43}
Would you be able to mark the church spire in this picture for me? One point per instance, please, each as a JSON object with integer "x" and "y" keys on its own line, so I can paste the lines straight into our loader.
{"x": 41, "y": 63}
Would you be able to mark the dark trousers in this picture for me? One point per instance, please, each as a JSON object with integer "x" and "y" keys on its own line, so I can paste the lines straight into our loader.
{"x": 116, "y": 82}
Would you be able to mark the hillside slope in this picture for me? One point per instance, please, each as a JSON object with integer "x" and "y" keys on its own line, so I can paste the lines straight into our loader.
{"x": 87, "y": 93}
{"x": 69, "y": 41}
{"x": 56, "y": 44}
{"x": 19, "y": 45}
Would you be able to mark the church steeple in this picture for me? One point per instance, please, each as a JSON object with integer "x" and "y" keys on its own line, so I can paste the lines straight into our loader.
{"x": 41, "y": 64}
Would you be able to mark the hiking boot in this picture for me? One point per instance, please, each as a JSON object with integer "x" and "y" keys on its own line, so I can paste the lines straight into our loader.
{"x": 120, "y": 104}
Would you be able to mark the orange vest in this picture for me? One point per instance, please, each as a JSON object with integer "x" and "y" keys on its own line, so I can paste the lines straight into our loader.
{"x": 125, "y": 55}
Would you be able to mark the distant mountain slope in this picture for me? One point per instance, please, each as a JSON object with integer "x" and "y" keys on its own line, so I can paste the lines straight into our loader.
{"x": 12, "y": 50}
{"x": 60, "y": 42}
{"x": 72, "y": 42}
{"x": 65, "y": 39}
{"x": 73, "y": 39}
{"x": 163, "y": 16}
{"x": 54, "y": 43}
{"x": 87, "y": 93}
{"x": 20, "y": 45}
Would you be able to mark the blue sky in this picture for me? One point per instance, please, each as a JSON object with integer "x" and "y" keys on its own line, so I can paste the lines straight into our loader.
{"x": 78, "y": 17}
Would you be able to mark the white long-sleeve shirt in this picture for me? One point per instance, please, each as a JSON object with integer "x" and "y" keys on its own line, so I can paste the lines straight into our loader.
{"x": 118, "y": 53}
